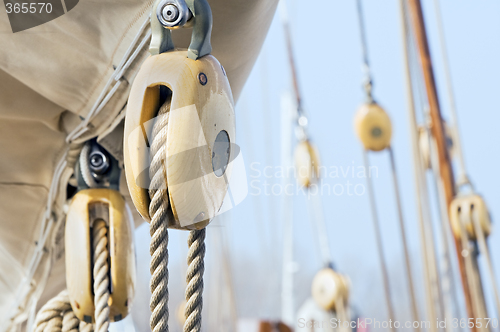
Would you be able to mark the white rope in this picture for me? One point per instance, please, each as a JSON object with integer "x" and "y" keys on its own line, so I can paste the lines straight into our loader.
{"x": 58, "y": 316}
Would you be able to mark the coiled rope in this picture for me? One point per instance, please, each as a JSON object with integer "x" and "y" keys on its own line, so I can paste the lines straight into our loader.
{"x": 158, "y": 226}
{"x": 194, "y": 279}
{"x": 56, "y": 315}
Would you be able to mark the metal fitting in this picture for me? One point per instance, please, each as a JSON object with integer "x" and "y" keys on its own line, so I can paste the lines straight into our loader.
{"x": 173, "y": 14}
{"x": 98, "y": 162}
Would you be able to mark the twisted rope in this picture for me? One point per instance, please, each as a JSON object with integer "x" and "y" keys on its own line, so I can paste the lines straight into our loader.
{"x": 73, "y": 154}
{"x": 56, "y": 315}
{"x": 101, "y": 277}
{"x": 158, "y": 225}
{"x": 194, "y": 279}
{"x": 84, "y": 166}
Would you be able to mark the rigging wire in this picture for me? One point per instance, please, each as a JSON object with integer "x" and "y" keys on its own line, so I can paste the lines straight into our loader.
{"x": 317, "y": 218}
{"x": 62, "y": 173}
{"x": 368, "y": 84}
{"x": 463, "y": 178}
{"x": 434, "y": 290}
{"x": 378, "y": 237}
{"x": 402, "y": 229}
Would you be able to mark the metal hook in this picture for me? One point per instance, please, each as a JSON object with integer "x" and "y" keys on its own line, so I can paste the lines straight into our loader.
{"x": 173, "y": 14}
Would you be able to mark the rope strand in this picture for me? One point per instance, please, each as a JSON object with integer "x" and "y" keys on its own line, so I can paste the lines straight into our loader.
{"x": 57, "y": 316}
{"x": 194, "y": 279}
{"x": 158, "y": 226}
{"x": 101, "y": 275}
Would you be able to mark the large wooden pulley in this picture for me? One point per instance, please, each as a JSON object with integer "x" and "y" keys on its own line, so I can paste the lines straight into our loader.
{"x": 467, "y": 210}
{"x": 88, "y": 207}
{"x": 306, "y": 163}
{"x": 200, "y": 136}
{"x": 373, "y": 127}
{"x": 328, "y": 288}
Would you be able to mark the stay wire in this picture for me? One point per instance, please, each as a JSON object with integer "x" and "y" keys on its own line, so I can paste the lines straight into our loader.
{"x": 379, "y": 241}
{"x": 402, "y": 228}
{"x": 462, "y": 178}
{"x": 419, "y": 175}
{"x": 368, "y": 82}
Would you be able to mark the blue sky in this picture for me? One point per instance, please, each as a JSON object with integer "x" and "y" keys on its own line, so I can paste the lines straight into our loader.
{"x": 328, "y": 54}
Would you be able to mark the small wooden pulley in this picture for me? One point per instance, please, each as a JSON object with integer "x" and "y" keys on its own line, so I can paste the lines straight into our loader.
{"x": 306, "y": 163}
{"x": 373, "y": 127}
{"x": 87, "y": 207}
{"x": 466, "y": 210}
{"x": 425, "y": 140}
{"x": 329, "y": 288}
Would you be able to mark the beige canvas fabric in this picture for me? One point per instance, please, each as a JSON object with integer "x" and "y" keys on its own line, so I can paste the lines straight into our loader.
{"x": 50, "y": 76}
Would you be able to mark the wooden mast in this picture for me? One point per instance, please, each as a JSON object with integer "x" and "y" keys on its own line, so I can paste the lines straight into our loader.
{"x": 437, "y": 129}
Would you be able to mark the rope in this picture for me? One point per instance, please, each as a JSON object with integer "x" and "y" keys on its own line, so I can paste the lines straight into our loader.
{"x": 67, "y": 161}
{"x": 378, "y": 237}
{"x": 101, "y": 275}
{"x": 462, "y": 178}
{"x": 368, "y": 83}
{"x": 483, "y": 246}
{"x": 194, "y": 279}
{"x": 403, "y": 237}
{"x": 473, "y": 277}
{"x": 158, "y": 225}
{"x": 426, "y": 239}
{"x": 57, "y": 316}
{"x": 317, "y": 218}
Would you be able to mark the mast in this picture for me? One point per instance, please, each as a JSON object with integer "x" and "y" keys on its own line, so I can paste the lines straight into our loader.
{"x": 437, "y": 129}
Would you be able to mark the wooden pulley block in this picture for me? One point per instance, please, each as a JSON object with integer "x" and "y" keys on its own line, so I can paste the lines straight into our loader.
{"x": 200, "y": 136}
{"x": 87, "y": 207}
{"x": 424, "y": 143}
{"x": 468, "y": 209}
{"x": 328, "y": 288}
{"x": 306, "y": 163}
{"x": 373, "y": 127}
